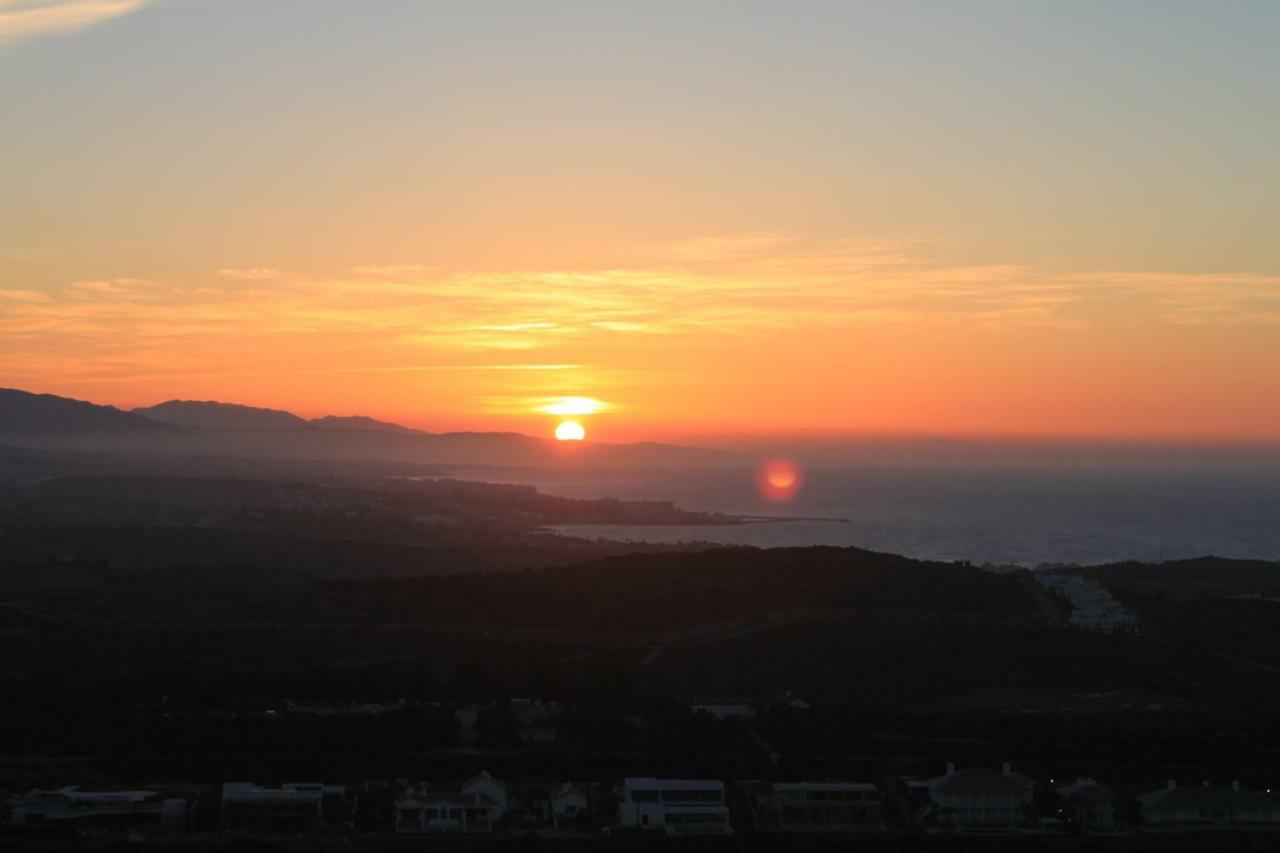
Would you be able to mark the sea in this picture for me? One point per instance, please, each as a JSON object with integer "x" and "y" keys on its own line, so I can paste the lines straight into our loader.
{"x": 1084, "y": 510}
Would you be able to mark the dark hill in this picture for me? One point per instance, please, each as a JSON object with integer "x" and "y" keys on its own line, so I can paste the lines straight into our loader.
{"x": 1202, "y": 576}
{"x": 184, "y": 427}
{"x": 645, "y": 592}
{"x": 360, "y": 422}
{"x": 24, "y": 413}
{"x": 209, "y": 415}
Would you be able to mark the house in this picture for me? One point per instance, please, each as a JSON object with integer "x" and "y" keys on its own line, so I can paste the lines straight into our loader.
{"x": 991, "y": 799}
{"x": 1175, "y": 805}
{"x": 800, "y": 806}
{"x": 99, "y": 808}
{"x": 529, "y": 805}
{"x": 569, "y": 805}
{"x": 475, "y": 805}
{"x": 539, "y": 805}
{"x": 287, "y": 807}
{"x": 675, "y": 806}
{"x": 1088, "y": 806}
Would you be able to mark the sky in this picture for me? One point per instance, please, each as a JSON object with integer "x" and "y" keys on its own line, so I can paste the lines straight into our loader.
{"x": 715, "y": 218}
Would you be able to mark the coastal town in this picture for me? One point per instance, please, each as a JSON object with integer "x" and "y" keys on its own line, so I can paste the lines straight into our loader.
{"x": 972, "y": 801}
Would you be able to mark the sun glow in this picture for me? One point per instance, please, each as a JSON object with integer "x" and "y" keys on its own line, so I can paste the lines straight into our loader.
{"x": 572, "y": 406}
{"x": 570, "y": 431}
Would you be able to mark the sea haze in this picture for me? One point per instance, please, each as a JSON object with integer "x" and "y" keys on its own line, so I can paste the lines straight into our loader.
{"x": 1024, "y": 507}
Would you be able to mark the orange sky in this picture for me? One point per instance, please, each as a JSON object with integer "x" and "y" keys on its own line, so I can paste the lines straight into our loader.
{"x": 751, "y": 334}
{"x": 715, "y": 219}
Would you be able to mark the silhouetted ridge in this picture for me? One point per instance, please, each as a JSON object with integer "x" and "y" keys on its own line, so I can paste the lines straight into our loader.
{"x": 1199, "y": 576}
{"x": 212, "y": 415}
{"x": 232, "y": 430}
{"x": 22, "y": 412}
{"x": 360, "y": 422}
{"x": 650, "y": 592}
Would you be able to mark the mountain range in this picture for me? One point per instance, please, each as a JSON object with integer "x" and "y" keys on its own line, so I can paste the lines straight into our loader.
{"x": 228, "y": 429}
{"x": 210, "y": 415}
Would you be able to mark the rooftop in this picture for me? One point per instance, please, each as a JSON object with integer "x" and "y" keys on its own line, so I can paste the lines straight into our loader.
{"x": 980, "y": 781}
{"x": 1086, "y": 790}
{"x": 673, "y": 784}
{"x": 1210, "y": 797}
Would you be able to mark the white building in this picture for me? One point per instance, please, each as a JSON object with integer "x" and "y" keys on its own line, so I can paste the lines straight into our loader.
{"x": 800, "y": 806}
{"x": 475, "y": 805}
{"x": 293, "y": 804}
{"x": 676, "y": 806}
{"x": 568, "y": 803}
{"x": 1091, "y": 806}
{"x": 980, "y": 798}
{"x": 74, "y": 805}
{"x": 1231, "y": 805}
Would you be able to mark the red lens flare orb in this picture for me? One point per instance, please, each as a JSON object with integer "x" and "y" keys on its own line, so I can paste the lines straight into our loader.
{"x": 778, "y": 480}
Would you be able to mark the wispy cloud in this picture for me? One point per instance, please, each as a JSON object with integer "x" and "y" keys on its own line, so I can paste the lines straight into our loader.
{"x": 18, "y": 295}
{"x": 395, "y": 270}
{"x": 558, "y": 319}
{"x": 115, "y": 285}
{"x": 253, "y": 274}
{"x": 329, "y": 371}
{"x": 515, "y": 327}
{"x": 21, "y": 19}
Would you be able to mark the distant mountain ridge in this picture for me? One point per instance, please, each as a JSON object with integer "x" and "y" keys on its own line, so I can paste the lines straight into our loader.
{"x": 229, "y": 429}
{"x": 215, "y": 415}
{"x": 209, "y": 414}
{"x": 24, "y": 412}
{"x": 361, "y": 422}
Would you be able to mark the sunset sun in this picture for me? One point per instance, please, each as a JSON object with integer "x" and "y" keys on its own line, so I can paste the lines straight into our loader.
{"x": 570, "y": 431}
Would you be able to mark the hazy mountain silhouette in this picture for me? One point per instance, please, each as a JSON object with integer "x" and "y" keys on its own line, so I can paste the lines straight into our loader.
{"x": 228, "y": 429}
{"x": 360, "y": 422}
{"x": 214, "y": 415}
{"x": 211, "y": 415}
{"x": 24, "y": 413}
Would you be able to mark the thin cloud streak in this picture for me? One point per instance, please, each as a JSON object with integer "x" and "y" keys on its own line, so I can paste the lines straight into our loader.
{"x": 125, "y": 329}
{"x": 23, "y": 19}
{"x": 253, "y": 274}
{"x": 326, "y": 371}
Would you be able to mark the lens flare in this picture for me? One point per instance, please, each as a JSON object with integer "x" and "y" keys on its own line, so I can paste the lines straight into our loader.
{"x": 570, "y": 431}
{"x": 778, "y": 480}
